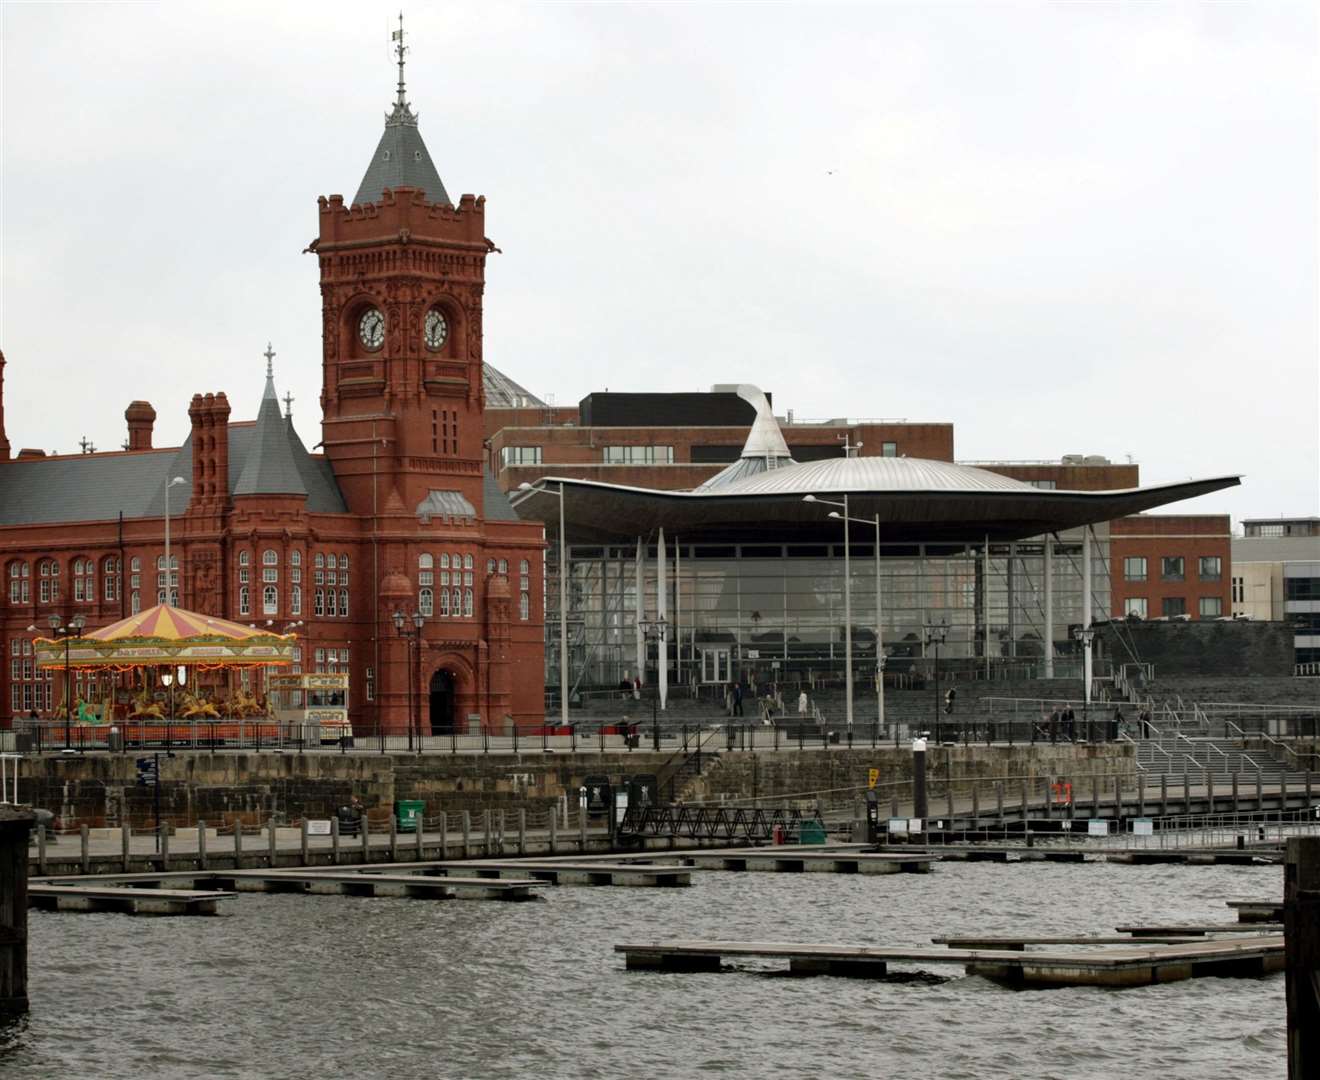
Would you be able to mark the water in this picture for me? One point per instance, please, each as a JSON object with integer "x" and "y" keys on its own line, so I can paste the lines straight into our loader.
{"x": 324, "y": 986}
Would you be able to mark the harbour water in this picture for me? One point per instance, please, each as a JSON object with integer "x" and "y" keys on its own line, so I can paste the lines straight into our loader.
{"x": 326, "y": 986}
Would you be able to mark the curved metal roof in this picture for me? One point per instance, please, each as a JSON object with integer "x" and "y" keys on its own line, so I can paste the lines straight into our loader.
{"x": 892, "y": 474}
{"x": 914, "y": 499}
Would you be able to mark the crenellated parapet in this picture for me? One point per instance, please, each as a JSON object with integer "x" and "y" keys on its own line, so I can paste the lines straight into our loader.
{"x": 402, "y": 216}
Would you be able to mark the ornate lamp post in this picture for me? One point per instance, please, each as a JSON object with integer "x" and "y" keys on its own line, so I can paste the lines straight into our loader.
{"x": 654, "y": 630}
{"x": 413, "y": 636}
{"x": 1085, "y": 635}
{"x": 71, "y": 629}
{"x": 934, "y": 635}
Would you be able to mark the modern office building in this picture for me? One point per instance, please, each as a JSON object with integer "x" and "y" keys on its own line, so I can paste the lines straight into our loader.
{"x": 1276, "y": 576}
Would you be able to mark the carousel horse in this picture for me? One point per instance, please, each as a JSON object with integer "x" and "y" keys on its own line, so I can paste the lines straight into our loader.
{"x": 195, "y": 708}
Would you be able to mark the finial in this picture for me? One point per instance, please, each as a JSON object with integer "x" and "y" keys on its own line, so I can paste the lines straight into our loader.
{"x": 269, "y": 354}
{"x": 399, "y": 50}
{"x": 288, "y": 405}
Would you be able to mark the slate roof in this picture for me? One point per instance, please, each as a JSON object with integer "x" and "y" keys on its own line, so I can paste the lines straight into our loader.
{"x": 503, "y": 393}
{"x": 97, "y": 487}
{"x": 496, "y": 504}
{"x": 273, "y": 467}
{"x": 401, "y": 160}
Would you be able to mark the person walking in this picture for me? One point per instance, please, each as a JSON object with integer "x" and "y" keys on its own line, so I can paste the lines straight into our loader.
{"x": 737, "y": 699}
{"x": 1069, "y": 717}
{"x": 802, "y": 705}
{"x": 728, "y": 700}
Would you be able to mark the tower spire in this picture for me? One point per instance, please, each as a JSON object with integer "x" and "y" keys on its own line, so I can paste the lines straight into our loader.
{"x": 400, "y": 49}
{"x": 269, "y": 354}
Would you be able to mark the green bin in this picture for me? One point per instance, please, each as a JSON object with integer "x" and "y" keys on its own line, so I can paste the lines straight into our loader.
{"x": 811, "y": 832}
{"x": 408, "y": 813}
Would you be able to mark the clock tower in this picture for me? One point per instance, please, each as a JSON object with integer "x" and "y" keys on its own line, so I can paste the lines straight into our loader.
{"x": 402, "y": 276}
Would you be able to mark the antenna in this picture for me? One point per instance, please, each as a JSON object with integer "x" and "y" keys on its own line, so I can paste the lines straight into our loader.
{"x": 400, "y": 50}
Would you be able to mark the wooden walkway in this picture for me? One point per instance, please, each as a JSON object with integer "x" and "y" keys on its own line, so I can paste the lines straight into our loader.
{"x": 1134, "y": 965}
{"x": 1063, "y": 854}
{"x": 560, "y": 872}
{"x": 328, "y": 882}
{"x": 791, "y": 859}
{"x": 125, "y": 899}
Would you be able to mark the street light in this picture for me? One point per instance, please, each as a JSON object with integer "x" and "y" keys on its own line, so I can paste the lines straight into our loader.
{"x": 563, "y": 599}
{"x": 847, "y": 610}
{"x": 654, "y": 630}
{"x": 879, "y": 630}
{"x": 169, "y": 570}
{"x": 71, "y": 629}
{"x": 935, "y": 633}
{"x": 413, "y": 636}
{"x": 1085, "y": 634}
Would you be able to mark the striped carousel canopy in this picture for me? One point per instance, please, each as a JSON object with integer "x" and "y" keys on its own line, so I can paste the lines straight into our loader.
{"x": 165, "y": 635}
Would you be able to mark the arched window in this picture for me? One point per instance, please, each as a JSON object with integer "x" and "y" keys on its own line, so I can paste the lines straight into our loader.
{"x": 490, "y": 566}
{"x": 20, "y": 583}
{"x": 270, "y": 557}
{"x": 295, "y": 601}
{"x": 524, "y": 589}
{"x": 467, "y": 562}
{"x": 425, "y": 602}
{"x": 504, "y": 566}
{"x": 343, "y": 561}
{"x": 425, "y": 575}
{"x": 270, "y": 566}
{"x": 320, "y": 561}
{"x": 111, "y": 578}
{"x": 318, "y": 603}
{"x": 331, "y": 603}
{"x": 48, "y": 574}
{"x": 295, "y": 557}
{"x": 84, "y": 581}
{"x": 270, "y": 600}
{"x": 444, "y": 603}
{"x": 456, "y": 602}
{"x": 244, "y": 602}
{"x": 244, "y": 558}
{"x": 134, "y": 602}
{"x": 444, "y": 560}
{"x": 524, "y": 606}
{"x": 343, "y": 603}
{"x": 467, "y": 603}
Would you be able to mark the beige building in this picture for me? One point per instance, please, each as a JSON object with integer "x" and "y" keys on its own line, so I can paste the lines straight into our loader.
{"x": 1276, "y": 577}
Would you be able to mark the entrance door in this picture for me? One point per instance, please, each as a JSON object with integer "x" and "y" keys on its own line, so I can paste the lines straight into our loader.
{"x": 442, "y": 703}
{"x": 714, "y": 665}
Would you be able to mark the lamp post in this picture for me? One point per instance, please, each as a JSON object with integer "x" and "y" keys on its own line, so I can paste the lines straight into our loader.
{"x": 879, "y": 610}
{"x": 563, "y": 599}
{"x": 169, "y": 570}
{"x": 71, "y": 629}
{"x": 935, "y": 633}
{"x": 1085, "y": 635}
{"x": 847, "y": 606}
{"x": 654, "y": 630}
{"x": 413, "y": 636}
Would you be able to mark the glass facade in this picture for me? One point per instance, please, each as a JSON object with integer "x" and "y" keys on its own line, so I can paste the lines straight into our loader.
{"x": 771, "y": 611}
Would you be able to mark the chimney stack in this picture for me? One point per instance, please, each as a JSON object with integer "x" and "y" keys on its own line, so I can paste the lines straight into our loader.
{"x": 140, "y": 416}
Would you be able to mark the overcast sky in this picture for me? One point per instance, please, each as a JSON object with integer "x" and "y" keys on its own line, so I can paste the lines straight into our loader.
{"x": 1069, "y": 228}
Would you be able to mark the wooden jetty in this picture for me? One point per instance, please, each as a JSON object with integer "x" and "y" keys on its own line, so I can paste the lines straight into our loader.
{"x": 1135, "y": 965}
{"x": 1199, "y": 930}
{"x": 550, "y": 871}
{"x": 1064, "y": 854}
{"x": 125, "y": 899}
{"x": 327, "y": 881}
{"x": 1257, "y": 911}
{"x": 786, "y": 859}
{"x": 1019, "y": 943}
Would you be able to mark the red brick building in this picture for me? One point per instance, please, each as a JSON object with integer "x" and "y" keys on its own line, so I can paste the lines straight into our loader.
{"x": 399, "y": 514}
{"x": 1171, "y": 565}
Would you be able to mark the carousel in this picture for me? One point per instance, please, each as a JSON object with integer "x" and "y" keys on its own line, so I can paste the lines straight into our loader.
{"x": 166, "y": 667}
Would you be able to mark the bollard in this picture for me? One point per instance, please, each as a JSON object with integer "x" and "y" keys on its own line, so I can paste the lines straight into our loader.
{"x": 444, "y": 836}
{"x": 86, "y": 850}
{"x": 201, "y": 845}
{"x": 304, "y": 843}
{"x": 334, "y": 839}
{"x": 366, "y": 837}
{"x": 126, "y": 837}
{"x": 920, "y": 806}
{"x": 394, "y": 839}
{"x": 1301, "y": 925}
{"x": 522, "y": 830}
{"x": 554, "y": 833}
{"x": 271, "y": 843}
{"x": 467, "y": 834}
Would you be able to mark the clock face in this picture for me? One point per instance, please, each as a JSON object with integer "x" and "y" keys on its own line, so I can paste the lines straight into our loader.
{"x": 437, "y": 329}
{"x": 371, "y": 328}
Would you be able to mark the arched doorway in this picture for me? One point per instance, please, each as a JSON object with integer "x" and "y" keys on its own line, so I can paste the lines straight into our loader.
{"x": 442, "y": 703}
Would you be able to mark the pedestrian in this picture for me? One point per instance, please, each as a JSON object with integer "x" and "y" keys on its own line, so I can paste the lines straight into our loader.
{"x": 737, "y": 699}
{"x": 637, "y": 688}
{"x": 1069, "y": 718}
{"x": 1118, "y": 723}
{"x": 802, "y": 705}
{"x": 728, "y": 700}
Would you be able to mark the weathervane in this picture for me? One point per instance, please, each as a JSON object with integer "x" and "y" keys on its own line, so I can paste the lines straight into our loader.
{"x": 269, "y": 354}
